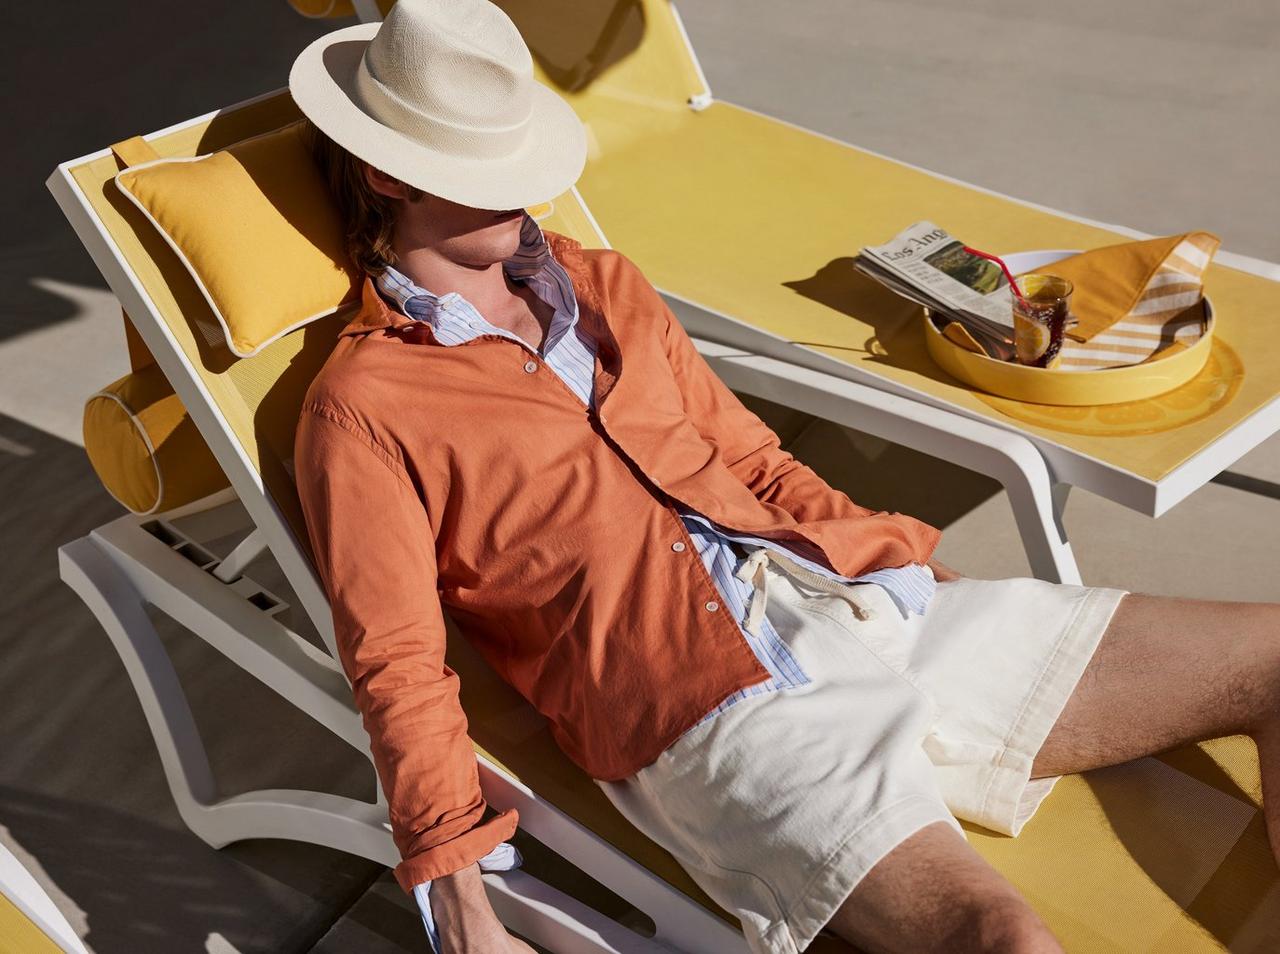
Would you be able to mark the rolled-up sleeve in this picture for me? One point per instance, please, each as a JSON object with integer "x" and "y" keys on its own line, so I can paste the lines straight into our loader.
{"x": 374, "y": 549}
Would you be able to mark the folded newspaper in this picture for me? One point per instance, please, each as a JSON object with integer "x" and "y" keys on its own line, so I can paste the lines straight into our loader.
{"x": 928, "y": 266}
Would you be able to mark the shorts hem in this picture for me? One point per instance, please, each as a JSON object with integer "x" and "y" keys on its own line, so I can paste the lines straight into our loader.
{"x": 832, "y": 882}
{"x": 1011, "y": 795}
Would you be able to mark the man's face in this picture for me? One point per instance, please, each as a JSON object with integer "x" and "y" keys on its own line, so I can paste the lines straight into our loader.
{"x": 473, "y": 237}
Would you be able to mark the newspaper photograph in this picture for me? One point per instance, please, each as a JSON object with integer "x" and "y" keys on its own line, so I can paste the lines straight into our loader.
{"x": 927, "y": 265}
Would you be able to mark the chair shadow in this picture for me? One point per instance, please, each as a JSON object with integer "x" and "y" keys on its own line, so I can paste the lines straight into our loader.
{"x": 140, "y": 885}
{"x": 1170, "y": 837}
{"x": 1164, "y": 843}
{"x": 576, "y": 42}
{"x": 115, "y": 75}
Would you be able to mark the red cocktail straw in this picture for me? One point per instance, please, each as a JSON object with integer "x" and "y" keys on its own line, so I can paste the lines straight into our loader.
{"x": 1003, "y": 267}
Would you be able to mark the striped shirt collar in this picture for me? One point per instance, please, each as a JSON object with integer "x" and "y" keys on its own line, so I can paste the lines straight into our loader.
{"x": 529, "y": 258}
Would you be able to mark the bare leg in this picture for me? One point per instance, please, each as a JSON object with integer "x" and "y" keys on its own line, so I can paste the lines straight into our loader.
{"x": 934, "y": 892}
{"x": 1173, "y": 671}
{"x": 1167, "y": 672}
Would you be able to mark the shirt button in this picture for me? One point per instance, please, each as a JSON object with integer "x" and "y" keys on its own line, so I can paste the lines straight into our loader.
{"x": 711, "y": 606}
{"x": 531, "y": 366}
{"x": 678, "y": 546}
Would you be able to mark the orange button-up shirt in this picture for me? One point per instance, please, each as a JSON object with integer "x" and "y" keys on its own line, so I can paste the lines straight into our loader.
{"x": 467, "y": 477}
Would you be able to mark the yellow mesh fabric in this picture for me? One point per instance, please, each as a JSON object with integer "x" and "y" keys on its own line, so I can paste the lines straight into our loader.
{"x": 631, "y": 50}
{"x": 730, "y": 172}
{"x": 624, "y": 50}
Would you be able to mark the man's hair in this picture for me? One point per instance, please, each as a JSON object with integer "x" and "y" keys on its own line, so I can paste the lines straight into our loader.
{"x": 368, "y": 218}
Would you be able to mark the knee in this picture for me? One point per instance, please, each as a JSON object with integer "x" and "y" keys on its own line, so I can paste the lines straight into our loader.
{"x": 1004, "y": 926}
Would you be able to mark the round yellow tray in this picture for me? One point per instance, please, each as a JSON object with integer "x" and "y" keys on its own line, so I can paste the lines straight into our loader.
{"x": 1053, "y": 386}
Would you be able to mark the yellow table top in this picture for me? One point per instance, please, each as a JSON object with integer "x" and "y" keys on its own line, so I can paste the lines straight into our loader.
{"x": 760, "y": 220}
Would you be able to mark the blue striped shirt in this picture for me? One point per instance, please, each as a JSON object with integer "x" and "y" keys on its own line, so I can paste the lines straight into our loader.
{"x": 569, "y": 350}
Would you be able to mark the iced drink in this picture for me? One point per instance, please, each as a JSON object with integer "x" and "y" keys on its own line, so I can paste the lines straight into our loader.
{"x": 1039, "y": 320}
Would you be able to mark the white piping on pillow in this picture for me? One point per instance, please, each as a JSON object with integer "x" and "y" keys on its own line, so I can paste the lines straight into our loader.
{"x": 226, "y": 329}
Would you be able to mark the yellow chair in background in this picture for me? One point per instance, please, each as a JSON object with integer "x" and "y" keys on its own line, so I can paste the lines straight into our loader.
{"x": 1164, "y": 854}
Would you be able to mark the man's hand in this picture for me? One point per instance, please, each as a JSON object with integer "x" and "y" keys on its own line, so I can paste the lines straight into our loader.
{"x": 465, "y": 919}
{"x": 941, "y": 572}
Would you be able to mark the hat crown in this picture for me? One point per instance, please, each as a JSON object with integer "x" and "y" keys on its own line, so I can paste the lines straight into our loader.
{"x": 442, "y": 96}
{"x": 437, "y": 69}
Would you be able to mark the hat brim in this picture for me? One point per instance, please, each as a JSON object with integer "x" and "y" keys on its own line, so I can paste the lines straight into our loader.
{"x": 546, "y": 164}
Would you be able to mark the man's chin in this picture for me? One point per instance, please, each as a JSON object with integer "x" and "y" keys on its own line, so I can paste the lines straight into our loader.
{"x": 483, "y": 247}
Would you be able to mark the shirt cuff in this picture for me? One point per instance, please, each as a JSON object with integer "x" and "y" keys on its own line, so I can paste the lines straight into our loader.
{"x": 502, "y": 858}
{"x": 457, "y": 853}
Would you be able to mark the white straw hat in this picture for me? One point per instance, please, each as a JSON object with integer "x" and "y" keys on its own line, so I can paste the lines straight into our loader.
{"x": 441, "y": 95}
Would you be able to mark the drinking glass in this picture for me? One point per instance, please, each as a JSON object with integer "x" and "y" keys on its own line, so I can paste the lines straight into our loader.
{"x": 1039, "y": 318}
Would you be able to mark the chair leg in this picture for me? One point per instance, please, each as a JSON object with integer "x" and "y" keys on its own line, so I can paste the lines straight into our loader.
{"x": 1037, "y": 507}
{"x": 121, "y": 568}
{"x": 317, "y": 817}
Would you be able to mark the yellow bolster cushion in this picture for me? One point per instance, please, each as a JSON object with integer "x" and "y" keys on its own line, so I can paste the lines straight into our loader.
{"x": 145, "y": 449}
{"x": 257, "y": 229}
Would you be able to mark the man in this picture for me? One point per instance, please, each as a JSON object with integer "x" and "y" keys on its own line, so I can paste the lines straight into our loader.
{"x": 778, "y": 685}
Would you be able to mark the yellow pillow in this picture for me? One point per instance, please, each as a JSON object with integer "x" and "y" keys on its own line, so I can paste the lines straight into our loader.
{"x": 145, "y": 449}
{"x": 257, "y": 229}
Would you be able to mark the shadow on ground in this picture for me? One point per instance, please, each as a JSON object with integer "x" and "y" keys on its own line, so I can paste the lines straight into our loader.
{"x": 102, "y": 73}
{"x": 81, "y": 784}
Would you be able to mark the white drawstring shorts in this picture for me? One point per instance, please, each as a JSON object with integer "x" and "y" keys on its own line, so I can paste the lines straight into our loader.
{"x": 779, "y": 805}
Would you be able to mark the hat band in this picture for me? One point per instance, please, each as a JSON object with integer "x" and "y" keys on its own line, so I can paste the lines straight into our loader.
{"x": 467, "y": 142}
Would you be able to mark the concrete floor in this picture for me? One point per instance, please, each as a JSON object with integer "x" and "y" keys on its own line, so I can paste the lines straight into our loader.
{"x": 1167, "y": 118}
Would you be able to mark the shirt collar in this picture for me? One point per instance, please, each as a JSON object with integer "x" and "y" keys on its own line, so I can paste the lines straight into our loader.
{"x": 375, "y": 313}
{"x": 530, "y": 257}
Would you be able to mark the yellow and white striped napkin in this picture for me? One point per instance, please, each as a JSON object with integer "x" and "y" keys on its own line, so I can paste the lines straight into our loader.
{"x": 1135, "y": 300}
